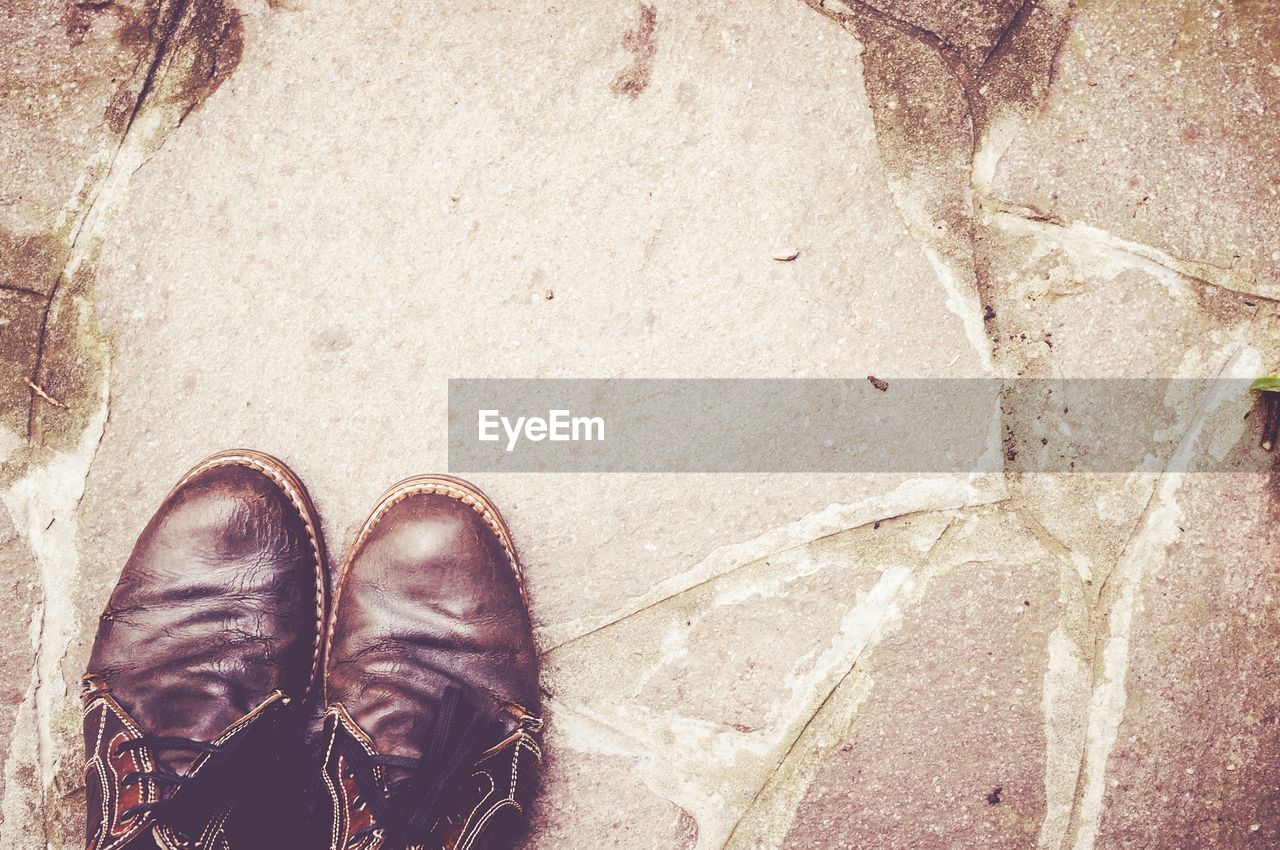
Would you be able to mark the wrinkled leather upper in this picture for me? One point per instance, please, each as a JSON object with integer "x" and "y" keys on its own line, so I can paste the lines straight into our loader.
{"x": 211, "y": 634}
{"x": 215, "y": 608}
{"x": 432, "y": 599}
{"x": 429, "y": 599}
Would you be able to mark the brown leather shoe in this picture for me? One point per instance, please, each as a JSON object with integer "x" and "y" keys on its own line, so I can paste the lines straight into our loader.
{"x": 204, "y": 656}
{"x": 431, "y": 676}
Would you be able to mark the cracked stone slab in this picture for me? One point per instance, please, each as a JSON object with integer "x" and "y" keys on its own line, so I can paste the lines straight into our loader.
{"x": 1191, "y": 603}
{"x": 1197, "y": 756}
{"x": 63, "y": 69}
{"x": 970, "y": 29}
{"x": 1064, "y": 306}
{"x": 949, "y": 749}
{"x": 633, "y": 222}
{"x": 62, "y": 73}
{"x": 740, "y": 699}
{"x": 717, "y": 678}
{"x": 1160, "y": 130}
{"x": 600, "y": 801}
{"x": 710, "y": 710}
{"x": 69, "y": 153}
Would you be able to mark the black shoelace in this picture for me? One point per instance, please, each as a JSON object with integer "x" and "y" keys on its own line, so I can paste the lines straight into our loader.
{"x": 168, "y": 779}
{"x": 410, "y": 806}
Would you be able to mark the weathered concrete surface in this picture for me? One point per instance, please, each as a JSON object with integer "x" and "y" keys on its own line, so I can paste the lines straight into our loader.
{"x": 22, "y": 592}
{"x": 603, "y": 803}
{"x": 1196, "y": 760}
{"x": 711, "y": 689}
{"x": 58, "y": 81}
{"x": 969, "y": 776}
{"x": 92, "y": 90}
{"x": 287, "y": 225}
{"x": 472, "y": 250}
{"x": 63, "y": 70}
{"x": 1161, "y": 130}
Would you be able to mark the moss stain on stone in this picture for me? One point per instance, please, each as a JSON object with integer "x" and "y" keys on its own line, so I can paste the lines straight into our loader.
{"x": 186, "y": 49}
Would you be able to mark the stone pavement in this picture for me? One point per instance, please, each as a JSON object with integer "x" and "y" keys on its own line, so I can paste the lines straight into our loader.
{"x": 285, "y": 225}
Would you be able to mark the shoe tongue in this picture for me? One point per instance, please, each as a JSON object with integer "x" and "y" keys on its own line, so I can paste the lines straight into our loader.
{"x": 438, "y": 749}
{"x": 400, "y": 716}
{"x": 212, "y": 777}
{"x": 425, "y": 735}
{"x": 190, "y": 715}
{"x": 220, "y": 782}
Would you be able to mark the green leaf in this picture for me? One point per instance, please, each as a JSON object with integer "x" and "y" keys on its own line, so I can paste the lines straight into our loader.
{"x": 1268, "y": 384}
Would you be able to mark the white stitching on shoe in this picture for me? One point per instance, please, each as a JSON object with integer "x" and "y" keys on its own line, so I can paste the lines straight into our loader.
{"x": 103, "y": 701}
{"x": 335, "y": 796}
{"x": 493, "y": 786}
{"x": 167, "y": 839}
{"x": 489, "y": 516}
{"x": 339, "y": 827}
{"x": 469, "y": 833}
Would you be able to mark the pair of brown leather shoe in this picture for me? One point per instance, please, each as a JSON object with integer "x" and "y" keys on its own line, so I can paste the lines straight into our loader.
{"x": 219, "y": 645}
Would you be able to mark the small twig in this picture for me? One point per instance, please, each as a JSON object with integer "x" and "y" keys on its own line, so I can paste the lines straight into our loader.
{"x": 44, "y": 395}
{"x": 1270, "y": 419}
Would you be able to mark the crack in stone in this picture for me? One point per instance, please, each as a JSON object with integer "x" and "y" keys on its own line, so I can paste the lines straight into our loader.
{"x": 1153, "y": 534}
{"x": 43, "y": 507}
{"x": 993, "y": 115}
{"x": 794, "y": 748}
{"x": 37, "y": 686}
{"x": 859, "y": 12}
{"x": 794, "y": 745}
{"x": 924, "y": 130}
{"x": 703, "y": 767}
{"x": 1016, "y": 22}
{"x": 741, "y": 782}
{"x": 1060, "y": 550}
{"x": 704, "y": 582}
{"x": 186, "y": 38}
{"x": 1066, "y": 679}
{"x": 1140, "y": 255}
{"x": 909, "y": 499}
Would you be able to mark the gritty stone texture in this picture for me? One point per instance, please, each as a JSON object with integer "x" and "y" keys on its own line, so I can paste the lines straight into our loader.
{"x": 1161, "y": 130}
{"x": 20, "y": 316}
{"x": 286, "y": 225}
{"x": 22, "y": 591}
{"x": 972, "y": 27}
{"x": 65, "y": 63}
{"x": 636, "y": 283}
{"x": 713, "y": 688}
{"x": 748, "y": 648}
{"x": 1197, "y": 758}
{"x": 602, "y": 803}
{"x": 949, "y": 749}
{"x": 1062, "y": 307}
{"x": 64, "y": 66}
{"x": 68, "y": 150}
